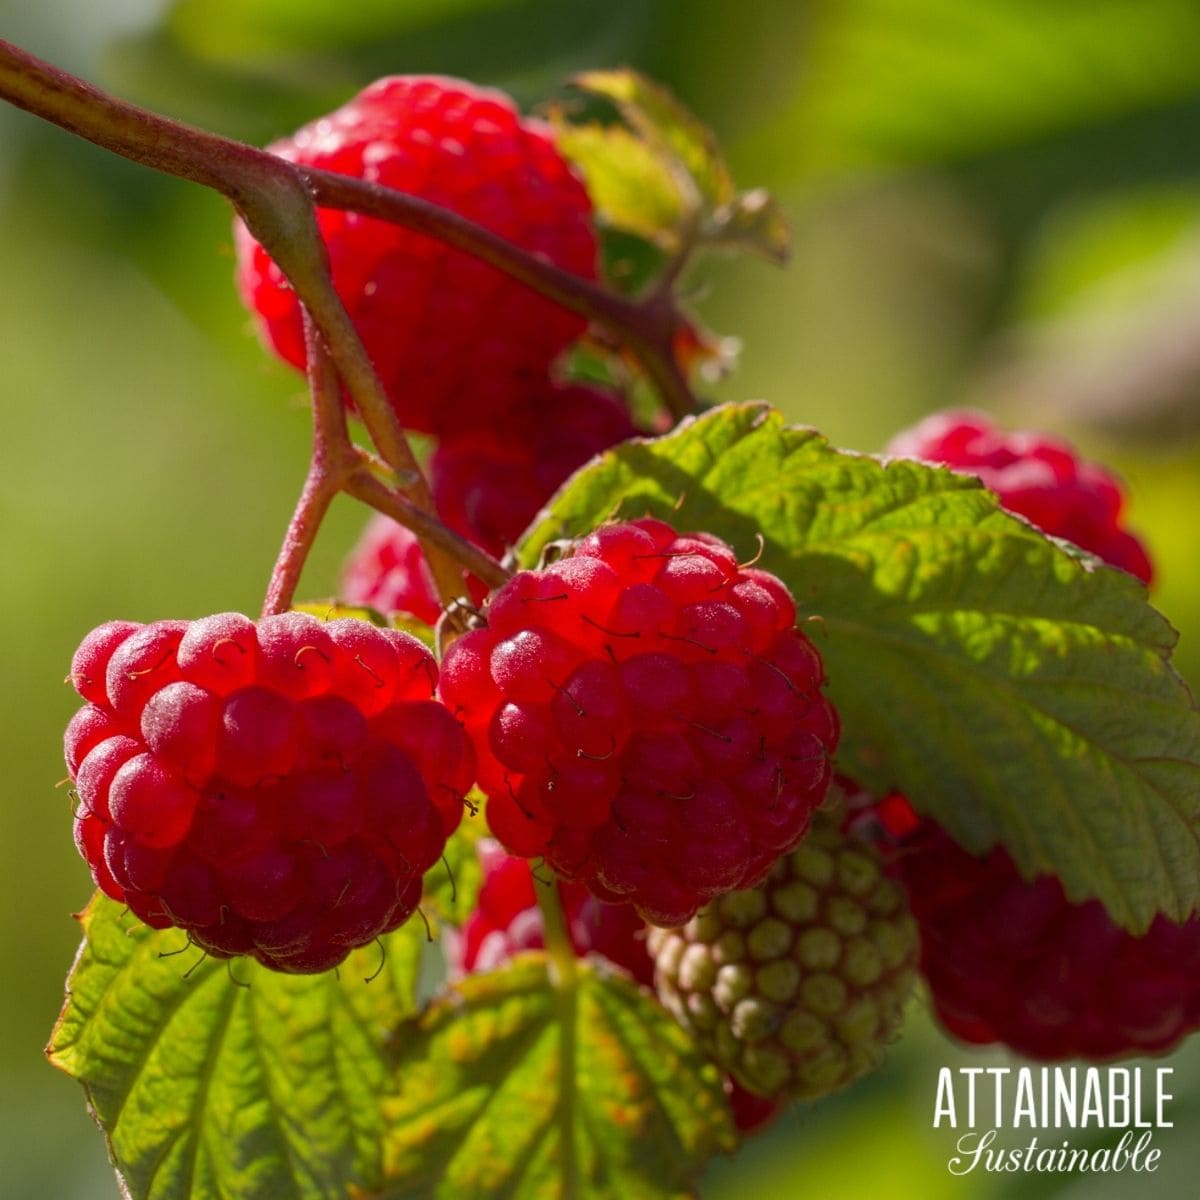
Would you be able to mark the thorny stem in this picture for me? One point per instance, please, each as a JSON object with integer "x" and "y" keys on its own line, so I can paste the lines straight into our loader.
{"x": 276, "y": 200}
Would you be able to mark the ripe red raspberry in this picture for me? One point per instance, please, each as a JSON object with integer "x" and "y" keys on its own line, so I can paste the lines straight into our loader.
{"x": 447, "y": 333}
{"x": 276, "y": 788}
{"x": 507, "y": 920}
{"x": 1038, "y": 477}
{"x": 647, "y": 717}
{"x": 387, "y": 571}
{"x": 796, "y": 987}
{"x": 490, "y": 482}
{"x": 1013, "y": 961}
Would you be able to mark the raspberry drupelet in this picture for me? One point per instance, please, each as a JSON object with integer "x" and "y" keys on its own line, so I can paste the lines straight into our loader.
{"x": 646, "y": 717}
{"x": 274, "y": 788}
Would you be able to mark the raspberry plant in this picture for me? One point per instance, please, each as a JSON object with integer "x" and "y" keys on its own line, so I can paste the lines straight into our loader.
{"x": 255, "y": 1011}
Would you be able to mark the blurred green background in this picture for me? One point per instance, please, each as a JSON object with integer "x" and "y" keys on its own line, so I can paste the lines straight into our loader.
{"x": 995, "y": 202}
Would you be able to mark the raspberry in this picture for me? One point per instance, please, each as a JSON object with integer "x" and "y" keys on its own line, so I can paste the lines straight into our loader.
{"x": 1035, "y": 476}
{"x": 448, "y": 333}
{"x": 490, "y": 483}
{"x": 1013, "y": 961}
{"x": 276, "y": 788}
{"x": 646, "y": 717}
{"x": 507, "y": 920}
{"x": 796, "y": 986}
{"x": 388, "y": 572}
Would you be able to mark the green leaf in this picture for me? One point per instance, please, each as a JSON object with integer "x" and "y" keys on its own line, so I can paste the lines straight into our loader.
{"x": 662, "y": 176}
{"x": 330, "y": 610}
{"x": 756, "y": 222}
{"x": 630, "y": 185}
{"x": 425, "y": 634}
{"x": 217, "y": 1080}
{"x": 334, "y": 610}
{"x": 1013, "y": 687}
{"x": 651, "y": 111}
{"x": 512, "y": 1087}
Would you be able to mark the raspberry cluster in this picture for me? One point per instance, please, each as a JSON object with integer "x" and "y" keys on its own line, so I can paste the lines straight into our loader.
{"x": 1036, "y": 476}
{"x": 449, "y": 335}
{"x": 646, "y": 717}
{"x": 276, "y": 788}
{"x": 507, "y": 920}
{"x": 796, "y": 987}
{"x": 1013, "y": 961}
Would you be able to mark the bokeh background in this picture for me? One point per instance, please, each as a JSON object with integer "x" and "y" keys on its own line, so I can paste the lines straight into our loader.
{"x": 995, "y": 203}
